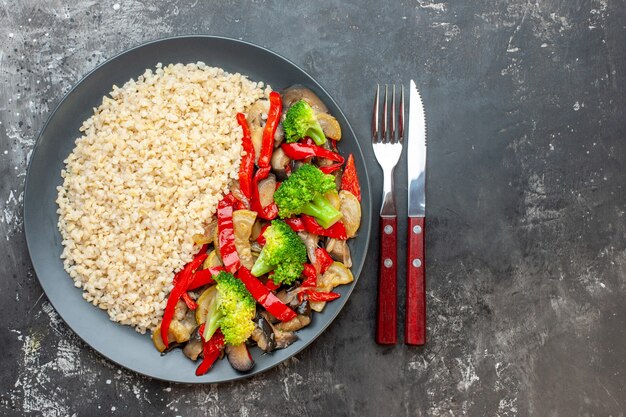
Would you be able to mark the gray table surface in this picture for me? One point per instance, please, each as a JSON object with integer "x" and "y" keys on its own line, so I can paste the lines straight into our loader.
{"x": 525, "y": 232}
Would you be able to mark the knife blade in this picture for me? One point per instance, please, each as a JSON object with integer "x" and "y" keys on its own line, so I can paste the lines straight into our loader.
{"x": 415, "y": 317}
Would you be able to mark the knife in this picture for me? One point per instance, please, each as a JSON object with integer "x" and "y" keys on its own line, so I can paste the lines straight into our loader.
{"x": 415, "y": 318}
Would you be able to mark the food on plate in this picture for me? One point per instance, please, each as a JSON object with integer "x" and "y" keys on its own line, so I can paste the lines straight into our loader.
{"x": 210, "y": 210}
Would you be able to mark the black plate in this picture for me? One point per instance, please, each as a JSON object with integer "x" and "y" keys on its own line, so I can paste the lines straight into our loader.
{"x": 122, "y": 344}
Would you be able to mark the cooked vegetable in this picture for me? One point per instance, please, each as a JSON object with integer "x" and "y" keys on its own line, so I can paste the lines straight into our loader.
{"x": 181, "y": 284}
{"x": 273, "y": 118}
{"x": 239, "y": 357}
{"x": 339, "y": 250}
{"x": 323, "y": 258}
{"x": 226, "y": 238}
{"x": 303, "y": 151}
{"x": 263, "y": 334}
{"x": 211, "y": 350}
{"x": 351, "y": 210}
{"x": 303, "y": 318}
{"x": 300, "y": 121}
{"x": 232, "y": 310}
{"x": 264, "y": 296}
{"x": 336, "y": 275}
{"x": 350, "y": 179}
{"x": 243, "y": 220}
{"x": 204, "y": 301}
{"x": 337, "y": 230}
{"x": 284, "y": 253}
{"x": 303, "y": 192}
{"x": 247, "y": 160}
{"x": 193, "y": 348}
{"x": 279, "y": 163}
{"x": 330, "y": 126}
{"x": 270, "y": 211}
{"x": 298, "y": 92}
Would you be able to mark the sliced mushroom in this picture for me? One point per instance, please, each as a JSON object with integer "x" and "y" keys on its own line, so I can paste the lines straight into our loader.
{"x": 177, "y": 333}
{"x": 267, "y": 188}
{"x": 243, "y": 220}
{"x": 263, "y": 335}
{"x": 297, "y": 92}
{"x": 303, "y": 318}
{"x": 351, "y": 210}
{"x": 207, "y": 236}
{"x": 288, "y": 297}
{"x": 333, "y": 198}
{"x": 336, "y": 274}
{"x": 310, "y": 241}
{"x": 339, "y": 251}
{"x": 180, "y": 310}
{"x": 279, "y": 163}
{"x": 239, "y": 357}
{"x": 284, "y": 339}
{"x": 279, "y": 135}
{"x": 193, "y": 348}
{"x": 294, "y": 324}
{"x": 330, "y": 126}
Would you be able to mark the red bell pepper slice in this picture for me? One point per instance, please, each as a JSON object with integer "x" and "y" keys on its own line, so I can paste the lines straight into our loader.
{"x": 211, "y": 351}
{"x": 181, "y": 283}
{"x": 261, "y": 239}
{"x": 191, "y": 303}
{"x": 329, "y": 169}
{"x": 269, "y": 212}
{"x": 323, "y": 259}
{"x": 273, "y": 118}
{"x": 310, "y": 275}
{"x": 265, "y": 297}
{"x": 313, "y": 295}
{"x": 226, "y": 233}
{"x": 350, "y": 180}
{"x": 246, "y": 168}
{"x": 271, "y": 285}
{"x": 299, "y": 151}
{"x": 336, "y": 231}
{"x": 295, "y": 223}
{"x": 204, "y": 277}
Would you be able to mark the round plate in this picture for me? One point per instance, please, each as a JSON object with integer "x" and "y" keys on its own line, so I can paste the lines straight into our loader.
{"x": 122, "y": 344}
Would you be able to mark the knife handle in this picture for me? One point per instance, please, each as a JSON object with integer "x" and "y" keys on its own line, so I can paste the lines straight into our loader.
{"x": 415, "y": 320}
{"x": 386, "y": 331}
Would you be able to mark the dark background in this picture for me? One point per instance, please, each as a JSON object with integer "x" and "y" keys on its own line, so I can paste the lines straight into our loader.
{"x": 526, "y": 245}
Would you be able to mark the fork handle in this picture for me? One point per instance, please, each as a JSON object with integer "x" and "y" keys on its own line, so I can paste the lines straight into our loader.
{"x": 386, "y": 328}
{"x": 415, "y": 320}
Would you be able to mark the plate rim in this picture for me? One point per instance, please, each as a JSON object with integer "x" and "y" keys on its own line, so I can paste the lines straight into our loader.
{"x": 75, "y": 86}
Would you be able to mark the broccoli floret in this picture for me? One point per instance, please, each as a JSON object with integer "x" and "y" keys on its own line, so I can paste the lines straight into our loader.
{"x": 300, "y": 121}
{"x": 232, "y": 310}
{"x": 284, "y": 253}
{"x": 303, "y": 192}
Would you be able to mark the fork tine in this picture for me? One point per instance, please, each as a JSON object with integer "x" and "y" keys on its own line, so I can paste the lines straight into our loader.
{"x": 385, "y": 117}
{"x": 401, "y": 116}
{"x": 392, "y": 117}
{"x": 375, "y": 115}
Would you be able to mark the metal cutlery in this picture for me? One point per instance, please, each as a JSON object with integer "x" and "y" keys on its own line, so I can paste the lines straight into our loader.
{"x": 387, "y": 144}
{"x": 415, "y": 319}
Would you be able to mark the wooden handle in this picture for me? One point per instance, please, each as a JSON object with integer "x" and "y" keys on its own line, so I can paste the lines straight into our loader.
{"x": 415, "y": 320}
{"x": 386, "y": 329}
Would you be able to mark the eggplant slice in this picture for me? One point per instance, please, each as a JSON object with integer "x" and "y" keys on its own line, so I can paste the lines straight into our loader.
{"x": 239, "y": 357}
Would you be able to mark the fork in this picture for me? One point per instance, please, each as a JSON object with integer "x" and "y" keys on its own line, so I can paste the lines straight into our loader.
{"x": 387, "y": 149}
